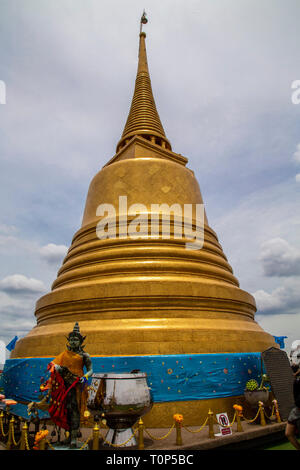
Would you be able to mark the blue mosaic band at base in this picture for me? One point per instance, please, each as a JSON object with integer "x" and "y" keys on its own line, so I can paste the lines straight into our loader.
{"x": 181, "y": 377}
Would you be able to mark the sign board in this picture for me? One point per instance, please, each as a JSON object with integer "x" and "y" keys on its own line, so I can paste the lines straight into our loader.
{"x": 224, "y": 424}
{"x": 279, "y": 371}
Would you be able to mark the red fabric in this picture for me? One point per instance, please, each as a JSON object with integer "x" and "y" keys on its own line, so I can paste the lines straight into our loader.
{"x": 58, "y": 410}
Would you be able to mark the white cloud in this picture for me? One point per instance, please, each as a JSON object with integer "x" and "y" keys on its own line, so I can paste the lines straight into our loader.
{"x": 52, "y": 253}
{"x": 16, "y": 314}
{"x": 282, "y": 299}
{"x": 279, "y": 258}
{"x": 279, "y": 309}
{"x": 296, "y": 155}
{"x": 19, "y": 284}
{"x": 266, "y": 301}
{"x": 297, "y": 177}
{"x": 268, "y": 213}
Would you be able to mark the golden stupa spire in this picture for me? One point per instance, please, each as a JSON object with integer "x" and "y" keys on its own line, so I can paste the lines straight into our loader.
{"x": 143, "y": 118}
{"x": 133, "y": 285}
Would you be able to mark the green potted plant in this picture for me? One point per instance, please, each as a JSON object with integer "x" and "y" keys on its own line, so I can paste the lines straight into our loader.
{"x": 254, "y": 393}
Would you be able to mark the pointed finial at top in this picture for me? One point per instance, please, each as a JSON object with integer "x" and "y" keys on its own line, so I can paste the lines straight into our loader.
{"x": 144, "y": 20}
{"x": 143, "y": 118}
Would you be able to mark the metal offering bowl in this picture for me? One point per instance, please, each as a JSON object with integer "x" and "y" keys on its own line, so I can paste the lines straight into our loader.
{"x": 123, "y": 398}
{"x": 254, "y": 396}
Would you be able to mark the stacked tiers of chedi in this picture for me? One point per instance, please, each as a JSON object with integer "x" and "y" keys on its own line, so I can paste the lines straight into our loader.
{"x": 146, "y": 295}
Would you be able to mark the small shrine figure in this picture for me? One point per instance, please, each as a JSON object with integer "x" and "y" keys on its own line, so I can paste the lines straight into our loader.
{"x": 67, "y": 387}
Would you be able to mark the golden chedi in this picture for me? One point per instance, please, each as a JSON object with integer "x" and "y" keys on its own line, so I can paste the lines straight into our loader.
{"x": 148, "y": 298}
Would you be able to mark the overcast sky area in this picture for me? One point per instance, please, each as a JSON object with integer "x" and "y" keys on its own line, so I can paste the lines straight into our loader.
{"x": 221, "y": 73}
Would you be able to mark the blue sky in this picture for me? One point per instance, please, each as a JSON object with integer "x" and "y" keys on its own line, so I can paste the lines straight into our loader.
{"x": 221, "y": 75}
